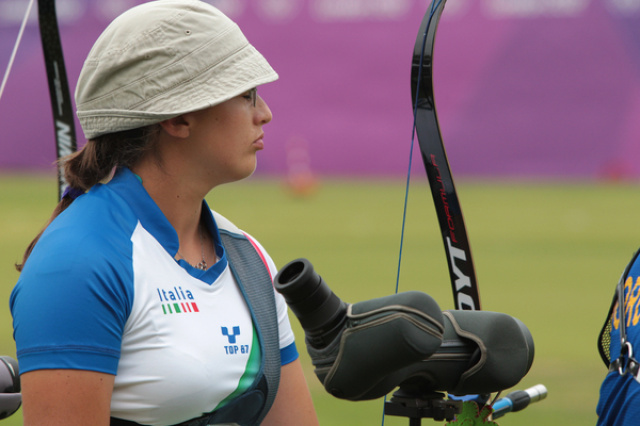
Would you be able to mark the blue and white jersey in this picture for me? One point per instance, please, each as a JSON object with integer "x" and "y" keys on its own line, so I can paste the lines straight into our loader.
{"x": 619, "y": 402}
{"x": 102, "y": 292}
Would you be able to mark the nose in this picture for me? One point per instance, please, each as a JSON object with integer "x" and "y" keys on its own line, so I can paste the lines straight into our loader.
{"x": 263, "y": 113}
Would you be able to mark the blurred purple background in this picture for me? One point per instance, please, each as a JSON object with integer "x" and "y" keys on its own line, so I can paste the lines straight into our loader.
{"x": 524, "y": 89}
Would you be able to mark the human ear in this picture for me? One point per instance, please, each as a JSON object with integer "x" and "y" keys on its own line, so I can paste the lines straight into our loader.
{"x": 177, "y": 126}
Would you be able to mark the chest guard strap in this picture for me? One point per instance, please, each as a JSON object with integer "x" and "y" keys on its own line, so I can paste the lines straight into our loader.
{"x": 252, "y": 275}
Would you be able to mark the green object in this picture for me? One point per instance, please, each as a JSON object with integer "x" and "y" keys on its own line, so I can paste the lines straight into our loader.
{"x": 471, "y": 415}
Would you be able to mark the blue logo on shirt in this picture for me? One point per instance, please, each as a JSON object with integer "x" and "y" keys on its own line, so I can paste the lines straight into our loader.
{"x": 232, "y": 348}
{"x": 231, "y": 337}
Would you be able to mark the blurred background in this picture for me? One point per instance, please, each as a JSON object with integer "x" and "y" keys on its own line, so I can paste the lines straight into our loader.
{"x": 539, "y": 107}
{"x": 523, "y": 88}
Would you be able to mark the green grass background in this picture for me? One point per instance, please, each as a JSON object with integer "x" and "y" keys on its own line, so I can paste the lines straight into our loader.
{"x": 549, "y": 253}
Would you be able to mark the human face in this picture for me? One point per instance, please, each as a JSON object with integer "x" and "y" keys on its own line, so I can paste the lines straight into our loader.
{"x": 225, "y": 138}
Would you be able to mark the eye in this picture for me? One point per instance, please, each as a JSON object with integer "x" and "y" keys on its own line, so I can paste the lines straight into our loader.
{"x": 251, "y": 95}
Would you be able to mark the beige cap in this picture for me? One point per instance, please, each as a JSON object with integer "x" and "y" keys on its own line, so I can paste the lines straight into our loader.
{"x": 162, "y": 59}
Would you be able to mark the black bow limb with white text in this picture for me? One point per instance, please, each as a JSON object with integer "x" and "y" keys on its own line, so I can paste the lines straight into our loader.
{"x": 461, "y": 270}
{"x": 61, "y": 106}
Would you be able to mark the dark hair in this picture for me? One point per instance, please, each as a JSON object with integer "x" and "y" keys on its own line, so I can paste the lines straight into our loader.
{"x": 95, "y": 163}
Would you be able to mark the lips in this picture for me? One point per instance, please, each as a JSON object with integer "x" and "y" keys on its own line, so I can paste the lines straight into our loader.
{"x": 259, "y": 143}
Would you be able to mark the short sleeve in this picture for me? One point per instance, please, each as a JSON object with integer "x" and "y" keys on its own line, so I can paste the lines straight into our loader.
{"x": 71, "y": 303}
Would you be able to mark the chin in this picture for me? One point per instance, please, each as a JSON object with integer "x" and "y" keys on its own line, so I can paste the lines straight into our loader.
{"x": 244, "y": 174}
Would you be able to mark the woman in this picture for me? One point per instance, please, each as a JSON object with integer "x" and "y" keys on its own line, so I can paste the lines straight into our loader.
{"x": 138, "y": 304}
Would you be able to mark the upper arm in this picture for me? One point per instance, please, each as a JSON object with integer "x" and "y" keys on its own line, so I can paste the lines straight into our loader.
{"x": 70, "y": 312}
{"x": 66, "y": 398}
{"x": 293, "y": 405}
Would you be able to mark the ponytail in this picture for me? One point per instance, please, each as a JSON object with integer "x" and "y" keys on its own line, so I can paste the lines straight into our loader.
{"x": 95, "y": 163}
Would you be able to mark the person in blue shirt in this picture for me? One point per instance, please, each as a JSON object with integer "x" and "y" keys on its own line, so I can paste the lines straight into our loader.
{"x": 129, "y": 309}
{"x": 619, "y": 343}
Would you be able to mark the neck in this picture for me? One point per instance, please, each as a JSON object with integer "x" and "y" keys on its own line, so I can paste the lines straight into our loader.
{"x": 207, "y": 255}
{"x": 178, "y": 189}
{"x": 179, "y": 199}
{"x": 184, "y": 211}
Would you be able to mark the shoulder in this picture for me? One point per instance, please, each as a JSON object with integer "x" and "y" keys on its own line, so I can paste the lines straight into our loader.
{"x": 86, "y": 249}
{"x": 225, "y": 224}
{"x": 95, "y": 227}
